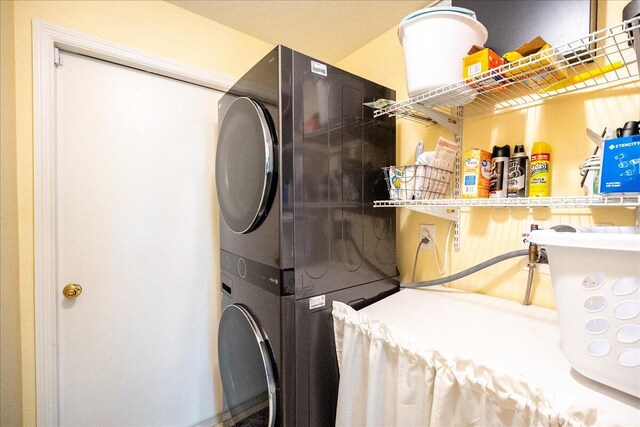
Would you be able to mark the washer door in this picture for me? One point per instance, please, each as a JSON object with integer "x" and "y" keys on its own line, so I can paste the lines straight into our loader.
{"x": 246, "y": 367}
{"x": 244, "y": 165}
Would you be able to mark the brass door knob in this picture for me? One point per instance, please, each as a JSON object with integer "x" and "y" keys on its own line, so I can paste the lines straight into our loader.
{"x": 72, "y": 290}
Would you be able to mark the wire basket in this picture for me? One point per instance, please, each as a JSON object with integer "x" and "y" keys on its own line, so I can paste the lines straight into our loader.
{"x": 416, "y": 182}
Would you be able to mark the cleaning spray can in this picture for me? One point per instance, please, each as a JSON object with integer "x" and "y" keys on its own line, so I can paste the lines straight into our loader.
{"x": 499, "y": 172}
{"x": 540, "y": 177}
{"x": 518, "y": 182}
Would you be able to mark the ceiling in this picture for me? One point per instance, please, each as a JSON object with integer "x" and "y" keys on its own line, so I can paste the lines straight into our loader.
{"x": 327, "y": 30}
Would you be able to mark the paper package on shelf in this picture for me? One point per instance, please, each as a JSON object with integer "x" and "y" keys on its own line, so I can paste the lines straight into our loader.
{"x": 446, "y": 153}
{"x": 443, "y": 163}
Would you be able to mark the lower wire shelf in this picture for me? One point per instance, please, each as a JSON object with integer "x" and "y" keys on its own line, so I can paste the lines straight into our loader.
{"x": 522, "y": 202}
{"x": 450, "y": 208}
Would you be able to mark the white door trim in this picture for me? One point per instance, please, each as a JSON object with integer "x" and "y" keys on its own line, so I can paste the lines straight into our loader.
{"x": 46, "y": 38}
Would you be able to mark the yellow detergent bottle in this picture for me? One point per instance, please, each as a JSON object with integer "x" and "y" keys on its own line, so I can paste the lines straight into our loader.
{"x": 540, "y": 177}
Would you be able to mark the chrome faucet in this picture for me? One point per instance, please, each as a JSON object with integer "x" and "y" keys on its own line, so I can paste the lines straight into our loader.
{"x": 540, "y": 257}
{"x": 537, "y": 256}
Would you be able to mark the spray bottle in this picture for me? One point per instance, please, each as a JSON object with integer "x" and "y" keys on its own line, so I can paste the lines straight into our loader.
{"x": 518, "y": 182}
{"x": 499, "y": 172}
{"x": 540, "y": 178}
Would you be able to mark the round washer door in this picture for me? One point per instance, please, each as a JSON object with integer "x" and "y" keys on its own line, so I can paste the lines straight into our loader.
{"x": 246, "y": 367}
{"x": 244, "y": 165}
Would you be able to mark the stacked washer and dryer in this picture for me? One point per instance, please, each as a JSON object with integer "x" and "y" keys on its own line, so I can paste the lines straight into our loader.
{"x": 298, "y": 166}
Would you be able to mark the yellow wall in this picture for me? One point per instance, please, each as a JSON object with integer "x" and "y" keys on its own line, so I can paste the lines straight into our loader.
{"x": 488, "y": 232}
{"x": 164, "y": 29}
{"x": 10, "y": 369}
{"x": 152, "y": 26}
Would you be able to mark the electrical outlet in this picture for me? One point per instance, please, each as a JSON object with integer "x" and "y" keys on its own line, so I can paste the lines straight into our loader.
{"x": 428, "y": 231}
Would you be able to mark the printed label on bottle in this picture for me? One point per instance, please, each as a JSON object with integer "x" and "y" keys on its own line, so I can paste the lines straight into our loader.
{"x": 538, "y": 157}
{"x": 539, "y": 168}
{"x": 540, "y": 175}
{"x": 497, "y": 183}
{"x": 517, "y": 182}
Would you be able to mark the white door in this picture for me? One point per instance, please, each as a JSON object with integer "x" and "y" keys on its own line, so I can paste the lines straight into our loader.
{"x": 137, "y": 229}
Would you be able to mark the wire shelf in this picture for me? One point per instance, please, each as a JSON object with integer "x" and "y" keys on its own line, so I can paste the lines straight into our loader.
{"x": 522, "y": 202}
{"x": 603, "y": 58}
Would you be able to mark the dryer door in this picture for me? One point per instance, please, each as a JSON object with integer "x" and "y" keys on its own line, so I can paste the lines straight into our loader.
{"x": 244, "y": 164}
{"x": 246, "y": 367}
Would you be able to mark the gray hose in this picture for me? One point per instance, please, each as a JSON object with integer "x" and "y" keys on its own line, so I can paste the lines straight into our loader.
{"x": 468, "y": 271}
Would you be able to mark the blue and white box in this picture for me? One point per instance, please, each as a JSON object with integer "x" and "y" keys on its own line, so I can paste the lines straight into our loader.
{"x": 620, "y": 172}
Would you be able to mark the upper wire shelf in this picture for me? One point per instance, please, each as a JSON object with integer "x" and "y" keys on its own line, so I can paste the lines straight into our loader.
{"x": 604, "y": 57}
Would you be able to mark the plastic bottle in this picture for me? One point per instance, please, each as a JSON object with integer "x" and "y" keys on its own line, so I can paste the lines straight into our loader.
{"x": 499, "y": 172}
{"x": 540, "y": 177}
{"x": 518, "y": 182}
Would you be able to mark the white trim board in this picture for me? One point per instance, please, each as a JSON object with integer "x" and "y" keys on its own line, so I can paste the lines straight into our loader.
{"x": 46, "y": 38}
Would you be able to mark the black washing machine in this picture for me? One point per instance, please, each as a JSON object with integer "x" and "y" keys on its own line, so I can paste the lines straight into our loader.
{"x": 298, "y": 166}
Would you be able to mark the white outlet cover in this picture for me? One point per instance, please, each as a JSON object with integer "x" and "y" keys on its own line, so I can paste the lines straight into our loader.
{"x": 432, "y": 231}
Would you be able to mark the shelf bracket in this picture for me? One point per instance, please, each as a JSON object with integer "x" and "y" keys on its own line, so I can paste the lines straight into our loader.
{"x": 450, "y": 214}
{"x": 445, "y": 120}
{"x": 457, "y": 176}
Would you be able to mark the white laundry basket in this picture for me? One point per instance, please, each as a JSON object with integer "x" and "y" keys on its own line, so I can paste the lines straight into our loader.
{"x": 596, "y": 282}
{"x": 434, "y": 41}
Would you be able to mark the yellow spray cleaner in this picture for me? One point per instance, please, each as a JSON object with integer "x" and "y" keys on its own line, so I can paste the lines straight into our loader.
{"x": 540, "y": 177}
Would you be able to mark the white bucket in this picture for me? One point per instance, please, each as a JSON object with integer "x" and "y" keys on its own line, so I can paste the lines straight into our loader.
{"x": 434, "y": 41}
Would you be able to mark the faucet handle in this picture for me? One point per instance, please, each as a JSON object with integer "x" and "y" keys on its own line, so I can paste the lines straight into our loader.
{"x": 543, "y": 258}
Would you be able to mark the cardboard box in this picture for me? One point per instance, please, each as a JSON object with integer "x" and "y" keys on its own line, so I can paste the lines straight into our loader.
{"x": 620, "y": 171}
{"x": 539, "y": 63}
{"x": 476, "y": 171}
{"x": 479, "y": 60}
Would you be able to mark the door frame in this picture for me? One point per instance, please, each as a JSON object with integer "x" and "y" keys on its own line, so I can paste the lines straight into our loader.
{"x": 46, "y": 39}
